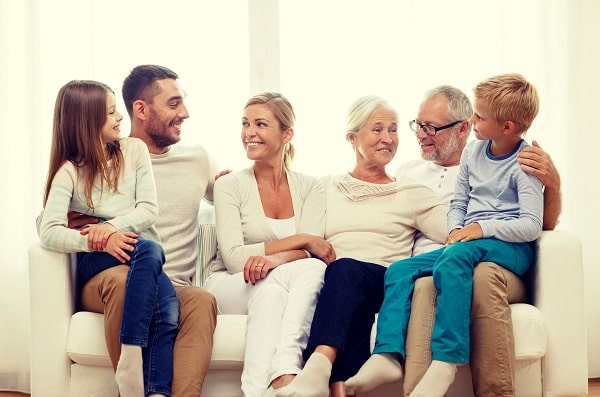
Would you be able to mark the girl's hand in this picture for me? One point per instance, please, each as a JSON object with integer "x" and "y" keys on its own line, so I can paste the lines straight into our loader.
{"x": 257, "y": 268}
{"x": 120, "y": 244}
{"x": 98, "y": 235}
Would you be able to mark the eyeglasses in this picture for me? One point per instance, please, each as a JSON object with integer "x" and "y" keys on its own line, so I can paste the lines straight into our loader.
{"x": 429, "y": 129}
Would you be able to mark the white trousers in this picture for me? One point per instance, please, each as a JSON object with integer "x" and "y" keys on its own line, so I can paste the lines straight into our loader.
{"x": 280, "y": 309}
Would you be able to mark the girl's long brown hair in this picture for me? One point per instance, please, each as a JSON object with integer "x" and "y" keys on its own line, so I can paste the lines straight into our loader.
{"x": 80, "y": 112}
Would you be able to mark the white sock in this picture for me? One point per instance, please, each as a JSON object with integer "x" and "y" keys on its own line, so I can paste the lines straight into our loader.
{"x": 312, "y": 381}
{"x": 377, "y": 370}
{"x": 436, "y": 381}
{"x": 130, "y": 373}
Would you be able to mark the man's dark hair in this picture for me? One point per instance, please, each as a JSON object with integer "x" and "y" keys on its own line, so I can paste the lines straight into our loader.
{"x": 141, "y": 84}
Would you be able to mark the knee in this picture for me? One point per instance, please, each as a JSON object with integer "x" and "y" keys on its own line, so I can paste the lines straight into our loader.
{"x": 396, "y": 271}
{"x": 343, "y": 271}
{"x": 195, "y": 302}
{"x": 105, "y": 292}
{"x": 114, "y": 282}
{"x": 314, "y": 265}
{"x": 314, "y": 269}
{"x": 424, "y": 289}
{"x": 490, "y": 289}
{"x": 151, "y": 252}
{"x": 337, "y": 266}
{"x": 151, "y": 249}
{"x": 488, "y": 278}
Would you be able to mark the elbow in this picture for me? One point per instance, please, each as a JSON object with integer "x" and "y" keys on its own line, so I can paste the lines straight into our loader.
{"x": 549, "y": 225}
{"x": 45, "y": 240}
{"x": 232, "y": 263}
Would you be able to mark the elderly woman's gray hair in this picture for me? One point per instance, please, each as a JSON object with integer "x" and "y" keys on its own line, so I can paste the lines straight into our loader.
{"x": 360, "y": 111}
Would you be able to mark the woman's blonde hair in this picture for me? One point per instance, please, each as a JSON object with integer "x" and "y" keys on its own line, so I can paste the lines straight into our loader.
{"x": 283, "y": 111}
{"x": 80, "y": 112}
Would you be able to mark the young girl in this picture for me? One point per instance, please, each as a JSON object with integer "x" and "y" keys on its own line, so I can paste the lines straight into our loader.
{"x": 95, "y": 172}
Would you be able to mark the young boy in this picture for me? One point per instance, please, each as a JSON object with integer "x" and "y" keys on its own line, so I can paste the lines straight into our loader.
{"x": 495, "y": 216}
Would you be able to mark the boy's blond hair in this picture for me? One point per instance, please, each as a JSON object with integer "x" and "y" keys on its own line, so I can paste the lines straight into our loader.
{"x": 509, "y": 97}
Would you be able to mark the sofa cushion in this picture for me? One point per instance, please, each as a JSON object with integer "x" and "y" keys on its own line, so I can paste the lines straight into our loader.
{"x": 529, "y": 329}
{"x": 229, "y": 342}
{"x": 85, "y": 340}
{"x": 86, "y": 344}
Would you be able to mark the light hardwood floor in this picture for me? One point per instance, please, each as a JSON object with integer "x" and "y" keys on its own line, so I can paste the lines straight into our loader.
{"x": 594, "y": 390}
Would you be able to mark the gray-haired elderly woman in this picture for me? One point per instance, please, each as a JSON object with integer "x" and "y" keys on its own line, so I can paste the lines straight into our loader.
{"x": 371, "y": 221}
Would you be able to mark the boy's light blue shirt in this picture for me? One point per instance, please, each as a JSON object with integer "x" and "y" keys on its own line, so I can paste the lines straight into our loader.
{"x": 495, "y": 192}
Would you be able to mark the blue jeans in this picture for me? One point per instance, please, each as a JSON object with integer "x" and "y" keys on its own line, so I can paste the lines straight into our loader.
{"x": 452, "y": 269}
{"x": 351, "y": 296}
{"x": 150, "y": 309}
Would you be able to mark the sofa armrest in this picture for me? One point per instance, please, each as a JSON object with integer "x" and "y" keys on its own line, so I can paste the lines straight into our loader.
{"x": 52, "y": 302}
{"x": 558, "y": 287}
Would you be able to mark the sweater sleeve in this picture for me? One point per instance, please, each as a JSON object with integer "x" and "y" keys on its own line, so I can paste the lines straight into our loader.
{"x": 460, "y": 201}
{"x": 213, "y": 171}
{"x": 53, "y": 226}
{"x": 146, "y": 207}
{"x": 528, "y": 225}
{"x": 431, "y": 215}
{"x": 229, "y": 201}
{"x": 312, "y": 215}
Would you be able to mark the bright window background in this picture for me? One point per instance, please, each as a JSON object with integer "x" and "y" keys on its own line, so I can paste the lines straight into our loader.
{"x": 205, "y": 43}
{"x": 334, "y": 52}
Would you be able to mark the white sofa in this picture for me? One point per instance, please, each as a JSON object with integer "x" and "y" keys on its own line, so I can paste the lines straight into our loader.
{"x": 69, "y": 357}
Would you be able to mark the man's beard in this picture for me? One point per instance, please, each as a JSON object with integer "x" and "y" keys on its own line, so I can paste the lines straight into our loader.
{"x": 159, "y": 132}
{"x": 443, "y": 153}
{"x": 160, "y": 139}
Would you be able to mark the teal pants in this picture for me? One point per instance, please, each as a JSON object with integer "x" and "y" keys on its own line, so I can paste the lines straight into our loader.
{"x": 452, "y": 269}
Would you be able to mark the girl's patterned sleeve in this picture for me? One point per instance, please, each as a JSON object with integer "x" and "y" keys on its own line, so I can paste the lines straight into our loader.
{"x": 54, "y": 232}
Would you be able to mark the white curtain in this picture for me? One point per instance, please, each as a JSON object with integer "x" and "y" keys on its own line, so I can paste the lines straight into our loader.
{"x": 19, "y": 198}
{"x": 325, "y": 55}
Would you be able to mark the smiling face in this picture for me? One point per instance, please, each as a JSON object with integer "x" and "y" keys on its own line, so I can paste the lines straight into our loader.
{"x": 111, "y": 130}
{"x": 261, "y": 134}
{"x": 166, "y": 114}
{"x": 376, "y": 141}
{"x": 445, "y": 147}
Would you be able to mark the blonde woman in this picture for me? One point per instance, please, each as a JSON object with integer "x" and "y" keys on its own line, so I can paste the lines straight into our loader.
{"x": 271, "y": 252}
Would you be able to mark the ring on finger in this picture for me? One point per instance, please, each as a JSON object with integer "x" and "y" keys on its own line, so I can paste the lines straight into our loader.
{"x": 260, "y": 265}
